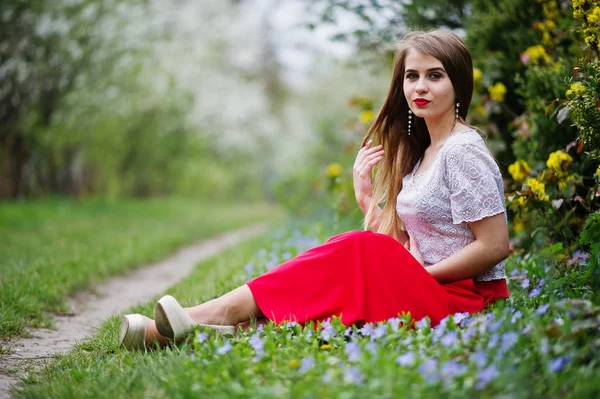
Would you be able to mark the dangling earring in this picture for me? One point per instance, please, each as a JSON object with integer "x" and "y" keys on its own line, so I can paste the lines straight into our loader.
{"x": 457, "y": 108}
{"x": 409, "y": 120}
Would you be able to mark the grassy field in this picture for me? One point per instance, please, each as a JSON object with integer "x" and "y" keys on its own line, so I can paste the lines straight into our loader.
{"x": 542, "y": 343}
{"x": 51, "y": 248}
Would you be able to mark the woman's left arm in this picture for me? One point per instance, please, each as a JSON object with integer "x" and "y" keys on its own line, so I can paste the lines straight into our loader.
{"x": 489, "y": 248}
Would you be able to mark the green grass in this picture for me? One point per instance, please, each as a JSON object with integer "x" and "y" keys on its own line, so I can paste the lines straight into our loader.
{"x": 542, "y": 343}
{"x": 51, "y": 248}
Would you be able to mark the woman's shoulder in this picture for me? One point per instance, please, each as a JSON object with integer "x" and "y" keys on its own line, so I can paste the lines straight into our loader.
{"x": 464, "y": 142}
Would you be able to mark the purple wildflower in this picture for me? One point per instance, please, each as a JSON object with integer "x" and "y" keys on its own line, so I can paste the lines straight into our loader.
{"x": 557, "y": 364}
{"x": 352, "y": 349}
{"x": 479, "y": 358}
{"x": 349, "y": 332}
{"x": 514, "y": 272}
{"x": 486, "y": 375}
{"x": 367, "y": 330}
{"x": 525, "y": 284}
{"x": 493, "y": 342}
{"x": 223, "y": 350}
{"x": 516, "y": 316}
{"x": 470, "y": 333}
{"x": 306, "y": 364}
{"x": 406, "y": 359}
{"x": 286, "y": 256}
{"x": 328, "y": 333}
{"x": 309, "y": 335}
{"x": 542, "y": 309}
{"x": 371, "y": 346}
{"x": 535, "y": 292}
{"x": 379, "y": 332}
{"x": 395, "y": 323}
{"x": 495, "y": 326}
{"x": 192, "y": 356}
{"x": 429, "y": 371}
{"x": 423, "y": 323}
{"x": 291, "y": 324}
{"x": 544, "y": 346}
{"x": 449, "y": 338}
{"x": 459, "y": 317}
{"x": 352, "y": 375}
{"x": 509, "y": 340}
{"x": 258, "y": 345}
{"x": 201, "y": 337}
{"x": 451, "y": 369}
{"x": 438, "y": 332}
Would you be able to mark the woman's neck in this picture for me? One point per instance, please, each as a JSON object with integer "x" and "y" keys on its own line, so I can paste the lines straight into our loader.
{"x": 441, "y": 129}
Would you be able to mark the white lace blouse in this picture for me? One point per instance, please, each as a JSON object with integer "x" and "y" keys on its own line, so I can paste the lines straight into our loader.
{"x": 462, "y": 185}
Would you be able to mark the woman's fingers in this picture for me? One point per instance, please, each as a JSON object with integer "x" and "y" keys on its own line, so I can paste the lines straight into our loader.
{"x": 366, "y": 156}
{"x": 369, "y": 162}
{"x": 367, "y": 150}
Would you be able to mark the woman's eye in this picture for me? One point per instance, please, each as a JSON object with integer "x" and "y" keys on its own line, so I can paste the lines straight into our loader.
{"x": 412, "y": 76}
{"x": 435, "y": 75}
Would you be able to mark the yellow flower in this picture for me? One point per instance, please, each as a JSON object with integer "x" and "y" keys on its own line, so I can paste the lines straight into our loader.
{"x": 576, "y": 89}
{"x": 598, "y": 171}
{"x": 521, "y": 202}
{"x": 334, "y": 170}
{"x": 594, "y": 16}
{"x": 366, "y": 116}
{"x": 519, "y": 170}
{"x": 518, "y": 226}
{"x": 538, "y": 188}
{"x": 477, "y": 75}
{"x": 563, "y": 183}
{"x": 537, "y": 53}
{"x": 497, "y": 91}
{"x": 326, "y": 346}
{"x": 293, "y": 363}
{"x": 559, "y": 161}
{"x": 479, "y": 110}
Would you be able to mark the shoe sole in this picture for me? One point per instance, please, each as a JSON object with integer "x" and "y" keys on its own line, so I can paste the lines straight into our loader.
{"x": 163, "y": 324}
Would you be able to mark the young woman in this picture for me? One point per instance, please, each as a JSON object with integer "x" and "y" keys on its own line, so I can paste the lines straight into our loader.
{"x": 438, "y": 243}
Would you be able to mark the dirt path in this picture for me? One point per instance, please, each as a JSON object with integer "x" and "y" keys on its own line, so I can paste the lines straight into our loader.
{"x": 91, "y": 308}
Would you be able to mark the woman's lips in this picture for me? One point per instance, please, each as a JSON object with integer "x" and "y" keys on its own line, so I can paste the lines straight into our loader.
{"x": 421, "y": 102}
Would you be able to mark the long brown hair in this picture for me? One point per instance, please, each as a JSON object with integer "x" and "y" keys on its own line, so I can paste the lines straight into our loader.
{"x": 390, "y": 127}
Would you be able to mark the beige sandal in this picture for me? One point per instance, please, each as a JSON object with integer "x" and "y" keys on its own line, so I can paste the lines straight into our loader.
{"x": 173, "y": 322}
{"x": 133, "y": 332}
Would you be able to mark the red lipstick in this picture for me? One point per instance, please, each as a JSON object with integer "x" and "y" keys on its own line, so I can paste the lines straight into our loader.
{"x": 421, "y": 102}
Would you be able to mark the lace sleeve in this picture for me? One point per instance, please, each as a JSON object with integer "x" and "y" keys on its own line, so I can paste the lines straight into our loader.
{"x": 475, "y": 182}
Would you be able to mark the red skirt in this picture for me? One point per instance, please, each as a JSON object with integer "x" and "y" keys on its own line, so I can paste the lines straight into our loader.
{"x": 361, "y": 276}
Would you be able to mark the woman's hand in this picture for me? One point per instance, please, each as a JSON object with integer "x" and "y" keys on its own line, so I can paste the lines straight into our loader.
{"x": 366, "y": 159}
{"x": 413, "y": 248}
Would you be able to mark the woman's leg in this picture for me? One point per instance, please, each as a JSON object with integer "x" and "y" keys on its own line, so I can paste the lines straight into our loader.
{"x": 232, "y": 308}
{"x": 236, "y": 307}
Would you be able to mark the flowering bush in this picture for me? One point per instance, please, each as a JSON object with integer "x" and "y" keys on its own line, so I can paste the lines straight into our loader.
{"x": 552, "y": 202}
{"x": 583, "y": 103}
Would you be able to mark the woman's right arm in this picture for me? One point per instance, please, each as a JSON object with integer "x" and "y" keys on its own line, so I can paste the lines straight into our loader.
{"x": 366, "y": 159}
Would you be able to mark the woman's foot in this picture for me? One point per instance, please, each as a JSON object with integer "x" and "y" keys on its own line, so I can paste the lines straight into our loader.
{"x": 174, "y": 322}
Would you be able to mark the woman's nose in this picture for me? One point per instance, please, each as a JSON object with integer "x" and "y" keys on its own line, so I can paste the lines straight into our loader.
{"x": 421, "y": 86}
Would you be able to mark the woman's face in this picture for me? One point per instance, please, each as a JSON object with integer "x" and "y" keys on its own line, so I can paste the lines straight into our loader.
{"x": 427, "y": 87}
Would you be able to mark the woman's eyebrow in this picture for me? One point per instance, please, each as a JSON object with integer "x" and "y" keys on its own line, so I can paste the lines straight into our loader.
{"x": 436, "y": 69}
